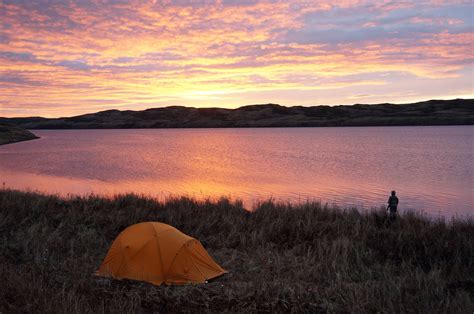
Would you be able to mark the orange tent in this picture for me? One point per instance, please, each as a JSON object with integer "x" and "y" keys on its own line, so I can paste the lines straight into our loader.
{"x": 158, "y": 253}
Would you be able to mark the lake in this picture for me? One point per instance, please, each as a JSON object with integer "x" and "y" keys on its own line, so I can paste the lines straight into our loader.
{"x": 431, "y": 168}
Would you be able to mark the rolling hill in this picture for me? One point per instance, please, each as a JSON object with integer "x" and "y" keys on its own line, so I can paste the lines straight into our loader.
{"x": 433, "y": 112}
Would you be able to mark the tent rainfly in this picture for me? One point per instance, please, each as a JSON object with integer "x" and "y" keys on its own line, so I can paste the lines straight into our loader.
{"x": 159, "y": 254}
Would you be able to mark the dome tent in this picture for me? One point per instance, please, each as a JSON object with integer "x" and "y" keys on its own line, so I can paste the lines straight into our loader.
{"x": 158, "y": 253}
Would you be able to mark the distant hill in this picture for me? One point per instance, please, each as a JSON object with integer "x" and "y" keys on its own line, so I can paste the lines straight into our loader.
{"x": 433, "y": 112}
{"x": 12, "y": 134}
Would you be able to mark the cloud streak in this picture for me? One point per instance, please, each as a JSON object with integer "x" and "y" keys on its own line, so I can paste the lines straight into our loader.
{"x": 61, "y": 58}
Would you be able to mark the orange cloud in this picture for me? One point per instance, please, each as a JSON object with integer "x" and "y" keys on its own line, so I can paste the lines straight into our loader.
{"x": 60, "y": 59}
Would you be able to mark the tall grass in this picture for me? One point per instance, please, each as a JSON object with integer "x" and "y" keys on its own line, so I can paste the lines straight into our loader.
{"x": 281, "y": 257}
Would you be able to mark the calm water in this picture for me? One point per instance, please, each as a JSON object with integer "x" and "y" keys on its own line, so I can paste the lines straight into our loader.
{"x": 430, "y": 167}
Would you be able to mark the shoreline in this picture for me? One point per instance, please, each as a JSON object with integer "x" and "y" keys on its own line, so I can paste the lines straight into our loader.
{"x": 10, "y": 134}
{"x": 19, "y": 141}
{"x": 249, "y": 204}
{"x": 280, "y": 257}
{"x": 254, "y": 127}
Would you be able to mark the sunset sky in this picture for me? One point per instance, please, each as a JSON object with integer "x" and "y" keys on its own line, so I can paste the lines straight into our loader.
{"x": 62, "y": 58}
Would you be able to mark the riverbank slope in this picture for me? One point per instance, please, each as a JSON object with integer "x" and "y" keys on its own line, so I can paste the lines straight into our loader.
{"x": 12, "y": 134}
{"x": 281, "y": 257}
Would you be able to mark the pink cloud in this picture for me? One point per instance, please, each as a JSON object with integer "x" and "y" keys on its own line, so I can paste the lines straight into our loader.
{"x": 87, "y": 52}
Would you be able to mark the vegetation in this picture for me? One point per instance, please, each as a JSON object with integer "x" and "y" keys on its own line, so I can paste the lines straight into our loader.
{"x": 281, "y": 257}
{"x": 11, "y": 134}
{"x": 433, "y": 112}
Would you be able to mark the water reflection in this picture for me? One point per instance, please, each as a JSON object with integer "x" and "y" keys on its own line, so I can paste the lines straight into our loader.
{"x": 430, "y": 167}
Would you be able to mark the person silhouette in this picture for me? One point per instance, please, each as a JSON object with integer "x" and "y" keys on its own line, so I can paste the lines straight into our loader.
{"x": 392, "y": 206}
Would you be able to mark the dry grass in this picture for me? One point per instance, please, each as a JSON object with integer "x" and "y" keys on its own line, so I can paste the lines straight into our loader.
{"x": 282, "y": 257}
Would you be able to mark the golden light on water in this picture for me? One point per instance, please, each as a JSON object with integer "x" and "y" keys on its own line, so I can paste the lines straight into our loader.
{"x": 347, "y": 166}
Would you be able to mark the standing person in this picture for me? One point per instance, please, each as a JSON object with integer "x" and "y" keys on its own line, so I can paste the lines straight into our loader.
{"x": 392, "y": 206}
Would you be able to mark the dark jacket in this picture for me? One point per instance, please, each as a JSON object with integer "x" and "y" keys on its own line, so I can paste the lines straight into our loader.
{"x": 393, "y": 202}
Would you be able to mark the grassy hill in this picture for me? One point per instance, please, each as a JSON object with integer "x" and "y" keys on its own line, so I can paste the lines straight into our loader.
{"x": 280, "y": 258}
{"x": 12, "y": 134}
{"x": 433, "y": 112}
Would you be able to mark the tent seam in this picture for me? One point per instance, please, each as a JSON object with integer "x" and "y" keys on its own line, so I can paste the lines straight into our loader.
{"x": 192, "y": 259}
{"x": 123, "y": 255}
{"x": 174, "y": 258}
{"x": 141, "y": 249}
{"x": 165, "y": 275}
